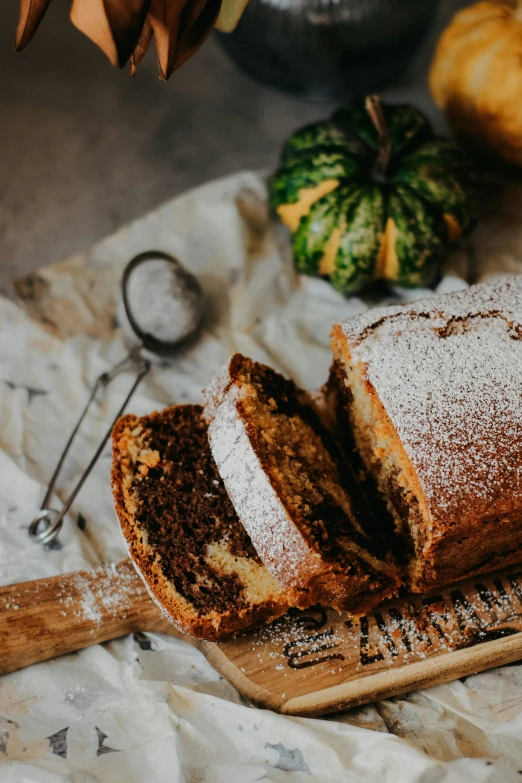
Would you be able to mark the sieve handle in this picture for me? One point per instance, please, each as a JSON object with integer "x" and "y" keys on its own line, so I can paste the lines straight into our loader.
{"x": 51, "y": 519}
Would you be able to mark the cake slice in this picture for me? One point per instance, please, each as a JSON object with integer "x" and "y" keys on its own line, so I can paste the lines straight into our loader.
{"x": 431, "y": 396}
{"x": 181, "y": 529}
{"x": 285, "y": 476}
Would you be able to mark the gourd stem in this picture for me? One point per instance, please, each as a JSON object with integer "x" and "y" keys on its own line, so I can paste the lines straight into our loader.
{"x": 376, "y": 114}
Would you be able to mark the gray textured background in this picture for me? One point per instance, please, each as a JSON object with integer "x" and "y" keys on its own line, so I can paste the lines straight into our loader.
{"x": 84, "y": 148}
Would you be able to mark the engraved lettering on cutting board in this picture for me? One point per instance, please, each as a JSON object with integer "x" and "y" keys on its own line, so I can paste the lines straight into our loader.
{"x": 313, "y": 644}
{"x": 413, "y": 628}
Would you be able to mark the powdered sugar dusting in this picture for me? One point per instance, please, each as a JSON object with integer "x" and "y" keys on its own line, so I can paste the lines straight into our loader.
{"x": 112, "y": 592}
{"x": 324, "y": 645}
{"x": 164, "y": 299}
{"x": 499, "y": 296}
{"x": 448, "y": 371}
{"x": 215, "y": 391}
{"x": 109, "y": 592}
{"x": 266, "y": 520}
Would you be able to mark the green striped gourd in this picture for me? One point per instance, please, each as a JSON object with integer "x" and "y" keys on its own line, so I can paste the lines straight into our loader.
{"x": 372, "y": 194}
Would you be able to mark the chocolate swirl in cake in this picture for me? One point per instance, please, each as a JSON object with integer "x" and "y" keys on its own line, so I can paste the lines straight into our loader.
{"x": 181, "y": 528}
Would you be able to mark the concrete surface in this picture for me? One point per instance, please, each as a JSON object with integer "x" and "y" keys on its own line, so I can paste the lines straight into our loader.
{"x": 84, "y": 148}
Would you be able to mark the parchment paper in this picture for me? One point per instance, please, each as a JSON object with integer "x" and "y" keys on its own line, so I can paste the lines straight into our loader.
{"x": 150, "y": 708}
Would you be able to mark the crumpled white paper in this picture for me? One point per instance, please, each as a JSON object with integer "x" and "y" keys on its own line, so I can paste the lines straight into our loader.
{"x": 150, "y": 708}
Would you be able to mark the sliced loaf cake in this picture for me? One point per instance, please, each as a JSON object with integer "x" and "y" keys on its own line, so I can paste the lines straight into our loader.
{"x": 181, "y": 529}
{"x": 432, "y": 396}
{"x": 292, "y": 491}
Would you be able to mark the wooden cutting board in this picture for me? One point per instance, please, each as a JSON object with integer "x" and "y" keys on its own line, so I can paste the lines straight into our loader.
{"x": 308, "y": 663}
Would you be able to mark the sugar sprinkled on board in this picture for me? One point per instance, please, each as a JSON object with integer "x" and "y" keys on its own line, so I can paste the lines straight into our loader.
{"x": 113, "y": 591}
{"x": 306, "y": 644}
{"x": 107, "y": 591}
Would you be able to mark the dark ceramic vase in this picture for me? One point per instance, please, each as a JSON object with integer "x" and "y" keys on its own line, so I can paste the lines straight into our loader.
{"x": 328, "y": 49}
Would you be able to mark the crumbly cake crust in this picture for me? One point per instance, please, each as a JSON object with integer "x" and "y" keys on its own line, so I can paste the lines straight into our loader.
{"x": 445, "y": 379}
{"x": 348, "y": 578}
{"x": 181, "y": 530}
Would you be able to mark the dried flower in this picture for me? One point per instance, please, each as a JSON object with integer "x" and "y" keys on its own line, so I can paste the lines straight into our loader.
{"x": 123, "y": 29}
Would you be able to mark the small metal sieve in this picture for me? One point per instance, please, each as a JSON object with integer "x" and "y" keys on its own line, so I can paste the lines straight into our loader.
{"x": 164, "y": 305}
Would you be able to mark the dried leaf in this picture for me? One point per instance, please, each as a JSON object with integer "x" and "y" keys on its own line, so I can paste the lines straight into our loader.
{"x": 164, "y": 16}
{"x": 190, "y": 13}
{"x": 198, "y": 32}
{"x": 141, "y": 47}
{"x": 114, "y": 25}
{"x": 29, "y": 18}
{"x": 123, "y": 29}
{"x": 126, "y": 20}
{"x": 90, "y": 18}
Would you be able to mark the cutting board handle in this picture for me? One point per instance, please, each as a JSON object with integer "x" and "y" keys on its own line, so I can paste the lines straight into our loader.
{"x": 50, "y": 617}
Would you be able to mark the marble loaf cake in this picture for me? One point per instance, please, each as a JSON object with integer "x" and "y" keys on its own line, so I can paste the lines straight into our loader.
{"x": 284, "y": 475}
{"x": 431, "y": 398}
{"x": 181, "y": 530}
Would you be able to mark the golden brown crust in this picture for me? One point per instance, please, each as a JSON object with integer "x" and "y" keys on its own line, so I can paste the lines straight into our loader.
{"x": 496, "y": 543}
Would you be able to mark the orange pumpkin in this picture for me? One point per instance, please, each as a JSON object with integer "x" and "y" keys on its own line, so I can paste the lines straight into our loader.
{"x": 476, "y": 77}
